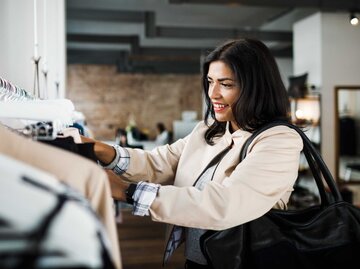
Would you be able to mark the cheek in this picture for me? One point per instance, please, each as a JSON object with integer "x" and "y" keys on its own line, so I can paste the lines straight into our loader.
{"x": 232, "y": 98}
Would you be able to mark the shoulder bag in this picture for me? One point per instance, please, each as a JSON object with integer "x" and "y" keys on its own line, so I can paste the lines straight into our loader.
{"x": 322, "y": 236}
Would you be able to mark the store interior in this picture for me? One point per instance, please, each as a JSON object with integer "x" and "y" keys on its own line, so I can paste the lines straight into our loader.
{"x": 131, "y": 70}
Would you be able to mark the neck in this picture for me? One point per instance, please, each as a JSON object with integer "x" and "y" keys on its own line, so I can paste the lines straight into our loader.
{"x": 233, "y": 127}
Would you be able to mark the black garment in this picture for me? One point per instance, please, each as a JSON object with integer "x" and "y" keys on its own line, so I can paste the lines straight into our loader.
{"x": 67, "y": 143}
{"x": 87, "y": 150}
{"x": 193, "y": 265}
{"x": 347, "y": 137}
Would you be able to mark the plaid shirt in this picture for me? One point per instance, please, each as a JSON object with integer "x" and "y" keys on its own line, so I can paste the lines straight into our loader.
{"x": 145, "y": 192}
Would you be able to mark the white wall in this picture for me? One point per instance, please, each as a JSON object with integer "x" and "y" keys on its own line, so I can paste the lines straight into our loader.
{"x": 17, "y": 43}
{"x": 286, "y": 69}
{"x": 307, "y": 48}
{"x": 327, "y": 46}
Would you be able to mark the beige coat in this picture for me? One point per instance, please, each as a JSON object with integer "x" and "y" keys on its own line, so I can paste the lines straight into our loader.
{"x": 238, "y": 193}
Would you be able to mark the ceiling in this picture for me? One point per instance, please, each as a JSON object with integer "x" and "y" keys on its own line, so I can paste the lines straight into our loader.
{"x": 171, "y": 36}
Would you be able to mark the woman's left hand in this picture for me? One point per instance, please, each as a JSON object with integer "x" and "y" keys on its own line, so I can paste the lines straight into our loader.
{"x": 118, "y": 186}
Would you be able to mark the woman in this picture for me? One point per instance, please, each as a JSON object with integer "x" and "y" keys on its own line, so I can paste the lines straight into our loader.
{"x": 121, "y": 138}
{"x": 162, "y": 137}
{"x": 243, "y": 90}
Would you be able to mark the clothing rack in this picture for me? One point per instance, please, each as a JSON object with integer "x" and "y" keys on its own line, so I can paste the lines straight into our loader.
{"x": 57, "y": 113}
{"x": 9, "y": 91}
{"x": 43, "y": 119}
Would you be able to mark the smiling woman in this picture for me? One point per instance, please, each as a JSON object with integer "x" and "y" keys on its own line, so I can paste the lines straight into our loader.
{"x": 246, "y": 73}
{"x": 197, "y": 183}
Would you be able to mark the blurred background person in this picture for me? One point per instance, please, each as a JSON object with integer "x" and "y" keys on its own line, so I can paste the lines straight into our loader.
{"x": 163, "y": 136}
{"x": 121, "y": 138}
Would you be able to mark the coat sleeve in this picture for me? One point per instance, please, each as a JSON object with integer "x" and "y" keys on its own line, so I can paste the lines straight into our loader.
{"x": 156, "y": 166}
{"x": 252, "y": 189}
{"x": 160, "y": 164}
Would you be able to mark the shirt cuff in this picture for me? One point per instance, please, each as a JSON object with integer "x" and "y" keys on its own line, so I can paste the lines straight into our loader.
{"x": 143, "y": 197}
{"x": 121, "y": 161}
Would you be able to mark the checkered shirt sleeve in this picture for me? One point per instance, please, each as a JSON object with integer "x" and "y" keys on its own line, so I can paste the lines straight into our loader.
{"x": 121, "y": 161}
{"x": 143, "y": 197}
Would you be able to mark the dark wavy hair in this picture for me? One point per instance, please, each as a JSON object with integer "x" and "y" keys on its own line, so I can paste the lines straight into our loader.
{"x": 263, "y": 97}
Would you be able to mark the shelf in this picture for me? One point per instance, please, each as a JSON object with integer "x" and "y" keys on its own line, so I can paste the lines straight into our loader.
{"x": 307, "y": 97}
{"x": 306, "y": 111}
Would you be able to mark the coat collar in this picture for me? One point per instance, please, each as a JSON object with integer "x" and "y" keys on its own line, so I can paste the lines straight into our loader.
{"x": 237, "y": 136}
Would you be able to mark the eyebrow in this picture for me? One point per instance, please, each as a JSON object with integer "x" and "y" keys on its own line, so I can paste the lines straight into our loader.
{"x": 221, "y": 79}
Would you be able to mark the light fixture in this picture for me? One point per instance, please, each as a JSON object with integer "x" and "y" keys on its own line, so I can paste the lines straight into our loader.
{"x": 353, "y": 19}
{"x": 308, "y": 110}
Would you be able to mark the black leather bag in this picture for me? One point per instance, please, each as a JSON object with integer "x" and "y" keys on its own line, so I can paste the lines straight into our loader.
{"x": 321, "y": 236}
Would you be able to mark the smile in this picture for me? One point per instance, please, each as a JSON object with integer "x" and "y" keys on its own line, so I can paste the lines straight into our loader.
{"x": 219, "y": 107}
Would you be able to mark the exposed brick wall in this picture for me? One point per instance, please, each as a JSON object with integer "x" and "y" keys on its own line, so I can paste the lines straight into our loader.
{"x": 107, "y": 98}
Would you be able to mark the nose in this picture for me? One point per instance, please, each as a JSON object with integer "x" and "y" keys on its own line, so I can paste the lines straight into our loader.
{"x": 214, "y": 91}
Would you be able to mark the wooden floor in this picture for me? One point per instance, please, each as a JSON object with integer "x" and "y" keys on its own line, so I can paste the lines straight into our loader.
{"x": 142, "y": 244}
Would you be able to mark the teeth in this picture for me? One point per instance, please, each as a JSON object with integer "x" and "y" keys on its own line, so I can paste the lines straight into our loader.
{"x": 219, "y": 106}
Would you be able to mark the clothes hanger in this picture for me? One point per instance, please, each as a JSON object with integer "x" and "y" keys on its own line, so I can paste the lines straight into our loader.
{"x": 17, "y": 104}
{"x": 9, "y": 91}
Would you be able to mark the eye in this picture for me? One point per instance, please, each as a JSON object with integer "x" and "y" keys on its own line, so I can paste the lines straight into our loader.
{"x": 210, "y": 81}
{"x": 227, "y": 85}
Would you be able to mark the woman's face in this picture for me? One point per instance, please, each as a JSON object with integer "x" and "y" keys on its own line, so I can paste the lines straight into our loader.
{"x": 223, "y": 91}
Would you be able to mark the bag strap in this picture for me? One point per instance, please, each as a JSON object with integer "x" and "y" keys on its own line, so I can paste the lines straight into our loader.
{"x": 320, "y": 185}
{"x": 317, "y": 165}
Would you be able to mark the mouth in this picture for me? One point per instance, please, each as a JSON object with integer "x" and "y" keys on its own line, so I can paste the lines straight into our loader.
{"x": 219, "y": 107}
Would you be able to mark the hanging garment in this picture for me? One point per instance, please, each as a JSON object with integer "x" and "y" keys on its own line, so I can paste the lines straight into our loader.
{"x": 83, "y": 175}
{"x": 67, "y": 143}
{"x": 348, "y": 137}
{"x": 47, "y": 224}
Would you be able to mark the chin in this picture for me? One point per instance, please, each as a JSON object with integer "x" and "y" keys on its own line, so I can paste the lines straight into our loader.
{"x": 221, "y": 119}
